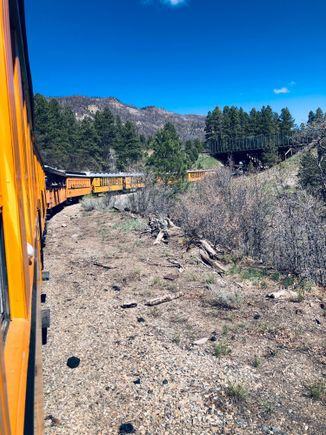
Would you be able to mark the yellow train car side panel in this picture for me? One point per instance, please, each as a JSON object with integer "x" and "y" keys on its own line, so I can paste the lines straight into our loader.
{"x": 100, "y": 184}
{"x": 20, "y": 231}
{"x": 55, "y": 196}
{"x": 78, "y": 187}
{"x": 115, "y": 184}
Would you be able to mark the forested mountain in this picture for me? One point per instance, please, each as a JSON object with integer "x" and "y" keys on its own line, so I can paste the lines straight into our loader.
{"x": 103, "y": 142}
{"x": 148, "y": 120}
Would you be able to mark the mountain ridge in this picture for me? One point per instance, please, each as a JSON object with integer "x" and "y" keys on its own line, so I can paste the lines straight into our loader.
{"x": 147, "y": 119}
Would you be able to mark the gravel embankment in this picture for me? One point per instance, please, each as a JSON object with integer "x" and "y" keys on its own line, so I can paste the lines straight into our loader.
{"x": 139, "y": 370}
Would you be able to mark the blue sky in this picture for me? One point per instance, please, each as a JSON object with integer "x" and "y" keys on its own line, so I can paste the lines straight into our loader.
{"x": 184, "y": 56}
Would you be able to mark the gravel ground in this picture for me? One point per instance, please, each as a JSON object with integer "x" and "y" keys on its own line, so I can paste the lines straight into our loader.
{"x": 140, "y": 371}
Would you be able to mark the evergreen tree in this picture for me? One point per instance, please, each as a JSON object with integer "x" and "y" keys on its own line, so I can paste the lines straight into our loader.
{"x": 213, "y": 129}
{"x": 244, "y": 123}
{"x": 319, "y": 115}
{"x": 286, "y": 122}
{"x": 168, "y": 160}
{"x": 268, "y": 121}
{"x": 270, "y": 156}
{"x": 88, "y": 153}
{"x": 192, "y": 149}
{"x": 130, "y": 150}
{"x": 312, "y": 173}
{"x": 254, "y": 122}
{"x": 311, "y": 117}
{"x": 106, "y": 130}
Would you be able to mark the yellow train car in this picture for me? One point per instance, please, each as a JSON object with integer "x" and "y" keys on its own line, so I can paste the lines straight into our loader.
{"x": 115, "y": 183}
{"x": 78, "y": 186}
{"x": 100, "y": 184}
{"x": 199, "y": 174}
{"x": 22, "y": 222}
{"x": 55, "y": 196}
{"x": 133, "y": 181}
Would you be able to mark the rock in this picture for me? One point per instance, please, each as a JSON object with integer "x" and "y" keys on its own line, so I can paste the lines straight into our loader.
{"x": 63, "y": 225}
{"x": 129, "y": 305}
{"x": 140, "y": 319}
{"x": 73, "y": 362}
{"x": 201, "y": 341}
{"x": 317, "y": 321}
{"x": 322, "y": 306}
{"x": 165, "y": 382}
{"x": 116, "y": 288}
{"x": 126, "y": 428}
{"x": 137, "y": 381}
{"x": 257, "y": 316}
{"x": 213, "y": 337}
{"x": 171, "y": 277}
{"x": 283, "y": 294}
{"x": 53, "y": 420}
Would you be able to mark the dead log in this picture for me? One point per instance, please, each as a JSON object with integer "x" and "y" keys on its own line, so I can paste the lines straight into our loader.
{"x": 163, "y": 299}
{"x": 212, "y": 263}
{"x": 159, "y": 237}
{"x": 210, "y": 250}
{"x": 171, "y": 224}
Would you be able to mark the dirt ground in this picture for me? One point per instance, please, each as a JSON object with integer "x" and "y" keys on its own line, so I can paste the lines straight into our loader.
{"x": 260, "y": 368}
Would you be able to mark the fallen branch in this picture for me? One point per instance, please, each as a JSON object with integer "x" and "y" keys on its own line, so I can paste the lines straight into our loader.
{"x": 175, "y": 263}
{"x": 163, "y": 299}
{"x": 104, "y": 266}
{"x": 159, "y": 237}
{"x": 162, "y": 265}
{"x": 213, "y": 263}
{"x": 213, "y": 253}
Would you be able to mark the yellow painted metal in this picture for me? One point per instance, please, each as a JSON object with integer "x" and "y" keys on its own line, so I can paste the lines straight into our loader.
{"x": 22, "y": 191}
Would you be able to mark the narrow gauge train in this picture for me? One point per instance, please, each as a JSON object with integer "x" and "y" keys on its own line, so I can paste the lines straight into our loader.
{"x": 62, "y": 186}
{"x": 25, "y": 196}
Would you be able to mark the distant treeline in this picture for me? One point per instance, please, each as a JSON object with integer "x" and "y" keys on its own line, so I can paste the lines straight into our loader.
{"x": 234, "y": 123}
{"x": 105, "y": 143}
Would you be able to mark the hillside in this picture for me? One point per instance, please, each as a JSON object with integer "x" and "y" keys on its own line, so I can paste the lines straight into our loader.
{"x": 147, "y": 119}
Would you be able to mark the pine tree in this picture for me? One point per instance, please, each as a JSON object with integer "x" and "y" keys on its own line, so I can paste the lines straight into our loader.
{"x": 270, "y": 156}
{"x": 312, "y": 173}
{"x": 168, "y": 160}
{"x": 286, "y": 122}
{"x": 88, "y": 152}
{"x": 319, "y": 115}
{"x": 254, "y": 122}
{"x": 311, "y": 117}
{"x": 131, "y": 150}
{"x": 105, "y": 127}
{"x": 213, "y": 129}
{"x": 268, "y": 121}
{"x": 192, "y": 149}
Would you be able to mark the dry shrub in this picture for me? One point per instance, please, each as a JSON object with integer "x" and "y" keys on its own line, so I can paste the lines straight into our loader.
{"x": 91, "y": 202}
{"x": 281, "y": 228}
{"x": 153, "y": 198}
{"x": 227, "y": 299}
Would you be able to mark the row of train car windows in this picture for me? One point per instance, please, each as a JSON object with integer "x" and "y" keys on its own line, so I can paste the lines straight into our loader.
{"x": 4, "y": 299}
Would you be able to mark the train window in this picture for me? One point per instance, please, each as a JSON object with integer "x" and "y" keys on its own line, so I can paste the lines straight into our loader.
{"x": 4, "y": 299}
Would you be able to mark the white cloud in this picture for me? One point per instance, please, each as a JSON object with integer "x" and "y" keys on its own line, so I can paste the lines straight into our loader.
{"x": 174, "y": 2}
{"x": 281, "y": 91}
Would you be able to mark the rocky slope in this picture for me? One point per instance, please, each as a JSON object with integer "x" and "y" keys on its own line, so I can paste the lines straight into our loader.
{"x": 148, "y": 119}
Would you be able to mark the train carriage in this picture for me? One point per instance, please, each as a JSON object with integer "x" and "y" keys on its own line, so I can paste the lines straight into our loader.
{"x": 22, "y": 222}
